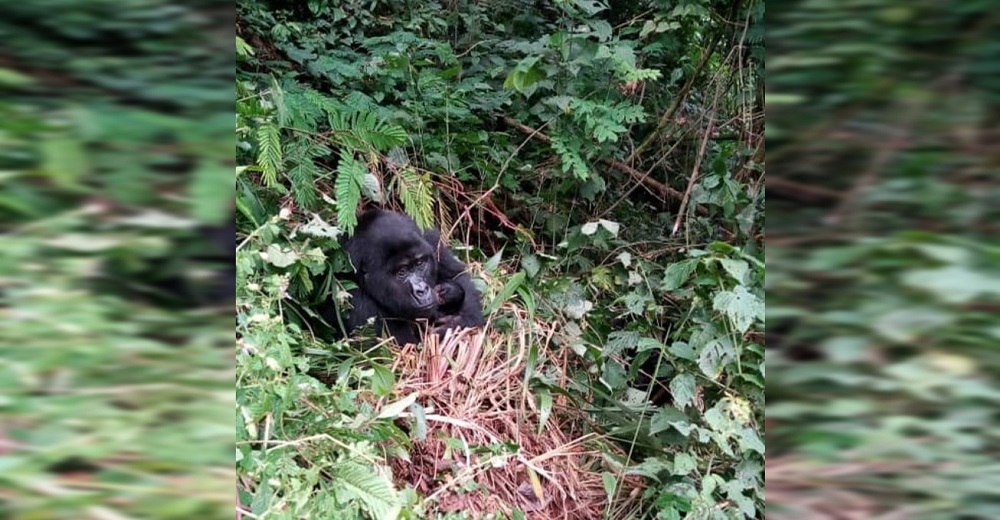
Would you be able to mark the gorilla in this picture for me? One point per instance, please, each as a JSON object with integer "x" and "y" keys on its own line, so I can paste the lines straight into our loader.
{"x": 450, "y": 296}
{"x": 406, "y": 278}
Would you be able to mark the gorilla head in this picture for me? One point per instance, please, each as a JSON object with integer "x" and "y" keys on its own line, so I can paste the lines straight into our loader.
{"x": 395, "y": 265}
{"x": 406, "y": 278}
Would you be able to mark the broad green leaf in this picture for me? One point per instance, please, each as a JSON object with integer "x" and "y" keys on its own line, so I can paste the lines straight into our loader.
{"x": 610, "y": 484}
{"x": 684, "y": 464}
{"x": 395, "y": 408}
{"x": 279, "y": 257}
{"x": 506, "y": 292}
{"x": 682, "y": 388}
{"x": 676, "y": 274}
{"x": 741, "y": 307}
{"x": 383, "y": 381}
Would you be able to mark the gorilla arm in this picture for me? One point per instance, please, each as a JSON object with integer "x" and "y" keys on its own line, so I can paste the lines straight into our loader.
{"x": 452, "y": 270}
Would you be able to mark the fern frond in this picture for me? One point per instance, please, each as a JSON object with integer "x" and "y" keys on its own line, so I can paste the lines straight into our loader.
{"x": 414, "y": 191}
{"x": 269, "y": 155}
{"x": 364, "y": 484}
{"x": 243, "y": 49}
{"x": 350, "y": 177}
{"x": 365, "y": 131}
{"x": 303, "y": 178}
{"x": 570, "y": 158}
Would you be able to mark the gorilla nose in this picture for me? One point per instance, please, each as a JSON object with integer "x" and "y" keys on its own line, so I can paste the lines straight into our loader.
{"x": 422, "y": 292}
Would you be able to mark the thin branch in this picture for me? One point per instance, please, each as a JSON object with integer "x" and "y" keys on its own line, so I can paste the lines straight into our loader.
{"x": 662, "y": 189}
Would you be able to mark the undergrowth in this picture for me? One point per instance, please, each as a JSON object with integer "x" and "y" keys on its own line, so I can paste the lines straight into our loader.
{"x": 625, "y": 299}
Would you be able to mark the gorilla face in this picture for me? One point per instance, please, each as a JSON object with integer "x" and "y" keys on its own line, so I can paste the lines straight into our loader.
{"x": 405, "y": 285}
{"x": 397, "y": 267}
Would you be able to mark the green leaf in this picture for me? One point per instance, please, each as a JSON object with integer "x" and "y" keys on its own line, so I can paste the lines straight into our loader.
{"x": 362, "y": 482}
{"x": 750, "y": 440}
{"x": 383, "y": 381}
{"x": 269, "y": 153}
{"x": 350, "y": 176}
{"x": 737, "y": 269}
{"x": 544, "y": 408}
{"x": 13, "y": 78}
{"x": 506, "y": 292}
{"x": 610, "y": 484}
{"x": 953, "y": 284}
{"x": 493, "y": 262}
{"x": 279, "y": 257}
{"x": 525, "y": 75}
{"x": 741, "y": 307}
{"x": 677, "y": 273}
{"x": 907, "y": 324}
{"x": 682, "y": 389}
{"x": 684, "y": 464}
{"x": 64, "y": 160}
{"x": 395, "y": 408}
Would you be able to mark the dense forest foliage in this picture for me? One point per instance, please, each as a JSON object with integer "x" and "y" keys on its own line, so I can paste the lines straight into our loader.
{"x": 883, "y": 286}
{"x": 599, "y": 167}
{"x": 116, "y": 168}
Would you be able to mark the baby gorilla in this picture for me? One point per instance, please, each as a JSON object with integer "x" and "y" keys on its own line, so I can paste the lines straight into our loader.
{"x": 450, "y": 296}
{"x": 407, "y": 278}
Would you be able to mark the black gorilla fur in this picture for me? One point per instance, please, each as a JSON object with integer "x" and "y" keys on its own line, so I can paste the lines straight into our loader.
{"x": 407, "y": 278}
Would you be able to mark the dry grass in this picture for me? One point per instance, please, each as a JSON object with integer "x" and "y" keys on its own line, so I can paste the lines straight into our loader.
{"x": 484, "y": 450}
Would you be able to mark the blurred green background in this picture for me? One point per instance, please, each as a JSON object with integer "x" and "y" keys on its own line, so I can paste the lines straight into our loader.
{"x": 883, "y": 288}
{"x": 116, "y": 328}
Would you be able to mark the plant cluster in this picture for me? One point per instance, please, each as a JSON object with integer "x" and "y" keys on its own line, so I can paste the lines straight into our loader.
{"x": 603, "y": 162}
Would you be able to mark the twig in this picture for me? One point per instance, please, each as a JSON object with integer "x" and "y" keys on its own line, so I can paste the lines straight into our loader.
{"x": 694, "y": 173}
{"x": 662, "y": 189}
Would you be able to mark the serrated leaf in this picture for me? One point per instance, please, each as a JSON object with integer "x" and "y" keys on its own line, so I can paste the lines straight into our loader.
{"x": 737, "y": 269}
{"x": 676, "y": 274}
{"x": 317, "y": 227}
{"x": 750, "y": 440}
{"x": 269, "y": 153}
{"x": 279, "y": 257}
{"x": 374, "y": 492}
{"x": 682, "y": 389}
{"x": 684, "y": 463}
{"x": 665, "y": 418}
{"x": 741, "y": 307}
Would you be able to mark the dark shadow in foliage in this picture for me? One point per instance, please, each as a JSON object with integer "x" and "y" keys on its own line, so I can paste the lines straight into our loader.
{"x": 199, "y": 271}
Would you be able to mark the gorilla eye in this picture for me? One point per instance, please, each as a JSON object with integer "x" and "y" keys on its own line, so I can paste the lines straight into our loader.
{"x": 420, "y": 262}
